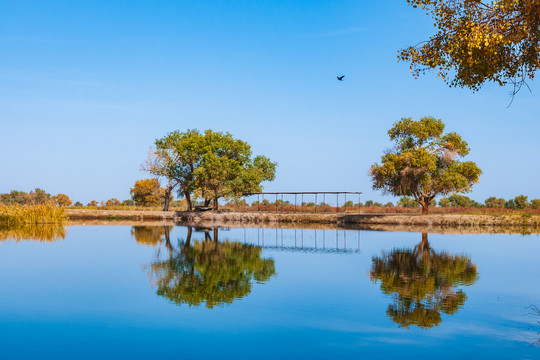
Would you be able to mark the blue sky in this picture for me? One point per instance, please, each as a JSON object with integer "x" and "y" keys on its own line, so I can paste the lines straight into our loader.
{"x": 86, "y": 87}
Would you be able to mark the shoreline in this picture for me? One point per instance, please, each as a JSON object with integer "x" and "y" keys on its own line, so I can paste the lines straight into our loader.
{"x": 454, "y": 223}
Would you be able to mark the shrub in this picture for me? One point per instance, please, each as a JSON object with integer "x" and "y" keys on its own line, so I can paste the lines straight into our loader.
{"x": 407, "y": 202}
{"x": 62, "y": 200}
{"x": 460, "y": 201}
{"x": 518, "y": 203}
{"x": 113, "y": 202}
{"x": 495, "y": 203}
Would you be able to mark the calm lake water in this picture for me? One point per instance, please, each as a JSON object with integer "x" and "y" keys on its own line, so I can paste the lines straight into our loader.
{"x": 128, "y": 292}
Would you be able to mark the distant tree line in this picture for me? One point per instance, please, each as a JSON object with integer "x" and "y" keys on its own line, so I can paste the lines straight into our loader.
{"x": 461, "y": 201}
{"x": 34, "y": 197}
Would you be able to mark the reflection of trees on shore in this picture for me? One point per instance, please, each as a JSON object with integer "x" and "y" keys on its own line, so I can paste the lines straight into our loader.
{"x": 210, "y": 271}
{"x": 33, "y": 232}
{"x": 423, "y": 283}
{"x": 150, "y": 235}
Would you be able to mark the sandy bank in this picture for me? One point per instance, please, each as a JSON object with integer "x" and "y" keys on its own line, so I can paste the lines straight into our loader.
{"x": 459, "y": 223}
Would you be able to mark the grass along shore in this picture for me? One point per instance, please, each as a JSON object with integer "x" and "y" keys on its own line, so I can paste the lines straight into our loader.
{"x": 15, "y": 215}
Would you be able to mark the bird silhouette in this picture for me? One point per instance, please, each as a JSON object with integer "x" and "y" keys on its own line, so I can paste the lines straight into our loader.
{"x": 340, "y": 78}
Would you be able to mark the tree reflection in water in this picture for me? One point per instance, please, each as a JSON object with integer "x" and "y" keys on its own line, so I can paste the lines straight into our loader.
{"x": 150, "y": 235}
{"x": 208, "y": 271}
{"x": 423, "y": 283}
{"x": 33, "y": 232}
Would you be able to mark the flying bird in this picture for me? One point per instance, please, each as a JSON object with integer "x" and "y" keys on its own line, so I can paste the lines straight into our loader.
{"x": 340, "y": 78}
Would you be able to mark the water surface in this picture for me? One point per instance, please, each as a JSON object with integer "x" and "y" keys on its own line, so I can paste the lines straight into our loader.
{"x": 146, "y": 292}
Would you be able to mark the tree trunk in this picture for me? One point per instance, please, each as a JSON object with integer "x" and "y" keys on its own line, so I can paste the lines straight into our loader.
{"x": 216, "y": 204}
{"x": 185, "y": 248}
{"x": 168, "y": 241}
{"x": 424, "y": 208}
{"x": 188, "y": 200}
{"x": 425, "y": 243}
{"x": 168, "y": 191}
{"x": 188, "y": 237}
{"x": 424, "y": 201}
{"x": 216, "y": 234}
{"x": 207, "y": 202}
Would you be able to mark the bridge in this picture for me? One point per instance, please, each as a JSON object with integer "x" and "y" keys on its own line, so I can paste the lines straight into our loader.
{"x": 317, "y": 201}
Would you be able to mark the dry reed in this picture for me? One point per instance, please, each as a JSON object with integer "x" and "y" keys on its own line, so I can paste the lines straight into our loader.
{"x": 13, "y": 215}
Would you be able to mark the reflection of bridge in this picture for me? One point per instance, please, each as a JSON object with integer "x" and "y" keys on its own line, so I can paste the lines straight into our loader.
{"x": 300, "y": 240}
{"x": 343, "y": 241}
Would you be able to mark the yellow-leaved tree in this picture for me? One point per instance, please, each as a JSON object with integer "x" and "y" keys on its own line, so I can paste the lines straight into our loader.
{"x": 147, "y": 192}
{"x": 479, "y": 41}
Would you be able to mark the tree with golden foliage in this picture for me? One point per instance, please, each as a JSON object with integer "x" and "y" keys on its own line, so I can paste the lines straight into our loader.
{"x": 62, "y": 200}
{"x": 147, "y": 192}
{"x": 424, "y": 162}
{"x": 479, "y": 41}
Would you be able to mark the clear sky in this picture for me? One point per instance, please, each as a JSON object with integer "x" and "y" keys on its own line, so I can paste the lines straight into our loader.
{"x": 86, "y": 87}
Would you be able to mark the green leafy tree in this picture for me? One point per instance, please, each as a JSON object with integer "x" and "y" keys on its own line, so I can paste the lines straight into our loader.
{"x": 479, "y": 41}
{"x": 535, "y": 204}
{"x": 495, "y": 203}
{"x": 424, "y": 162}
{"x": 210, "y": 166}
{"x": 146, "y": 192}
{"x": 210, "y": 272}
{"x": 423, "y": 283}
{"x": 227, "y": 169}
{"x": 175, "y": 158}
